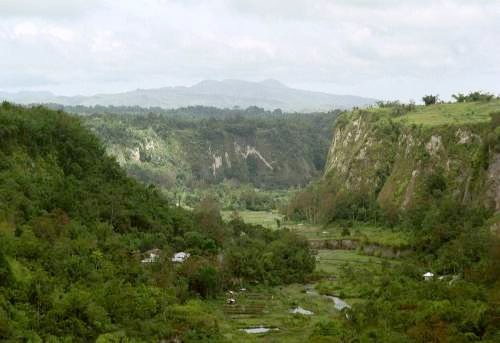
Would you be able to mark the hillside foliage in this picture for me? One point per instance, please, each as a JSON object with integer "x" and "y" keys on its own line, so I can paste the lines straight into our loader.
{"x": 436, "y": 183}
{"x": 74, "y": 229}
{"x": 191, "y": 148}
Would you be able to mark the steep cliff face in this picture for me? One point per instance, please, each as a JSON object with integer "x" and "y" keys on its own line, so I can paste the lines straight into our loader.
{"x": 269, "y": 153}
{"x": 403, "y": 164}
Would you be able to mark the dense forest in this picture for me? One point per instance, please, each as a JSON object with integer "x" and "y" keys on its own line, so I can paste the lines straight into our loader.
{"x": 74, "y": 232}
{"x": 184, "y": 150}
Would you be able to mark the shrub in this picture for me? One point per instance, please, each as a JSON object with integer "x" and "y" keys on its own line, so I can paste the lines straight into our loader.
{"x": 473, "y": 96}
{"x": 430, "y": 99}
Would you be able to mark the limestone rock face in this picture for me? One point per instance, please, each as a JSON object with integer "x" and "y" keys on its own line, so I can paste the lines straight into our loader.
{"x": 265, "y": 152}
{"x": 494, "y": 180}
{"x": 394, "y": 162}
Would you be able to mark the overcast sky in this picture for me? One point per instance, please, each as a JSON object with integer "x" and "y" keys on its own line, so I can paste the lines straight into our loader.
{"x": 380, "y": 48}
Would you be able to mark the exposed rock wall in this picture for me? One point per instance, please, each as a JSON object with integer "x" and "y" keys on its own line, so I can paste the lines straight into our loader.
{"x": 396, "y": 162}
{"x": 171, "y": 156}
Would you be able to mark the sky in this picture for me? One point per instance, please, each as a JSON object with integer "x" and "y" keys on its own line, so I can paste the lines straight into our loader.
{"x": 386, "y": 49}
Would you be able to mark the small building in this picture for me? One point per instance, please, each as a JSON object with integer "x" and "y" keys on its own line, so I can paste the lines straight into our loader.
{"x": 428, "y": 276}
{"x": 151, "y": 256}
{"x": 180, "y": 257}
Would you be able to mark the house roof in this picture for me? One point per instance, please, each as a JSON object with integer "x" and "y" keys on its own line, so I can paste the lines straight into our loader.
{"x": 180, "y": 256}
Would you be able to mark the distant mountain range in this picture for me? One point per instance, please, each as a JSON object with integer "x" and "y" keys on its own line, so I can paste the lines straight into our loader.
{"x": 268, "y": 94}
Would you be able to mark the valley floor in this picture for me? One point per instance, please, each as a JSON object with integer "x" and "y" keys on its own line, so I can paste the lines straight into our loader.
{"x": 346, "y": 274}
{"x": 265, "y": 218}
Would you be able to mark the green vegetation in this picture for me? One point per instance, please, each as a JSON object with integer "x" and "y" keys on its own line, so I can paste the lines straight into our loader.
{"x": 430, "y": 99}
{"x": 383, "y": 170}
{"x": 268, "y": 219}
{"x": 74, "y": 229}
{"x": 273, "y": 306}
{"x": 364, "y": 233}
{"x": 452, "y": 114}
{"x": 430, "y": 174}
{"x": 439, "y": 114}
{"x": 407, "y": 190}
{"x": 473, "y": 97}
{"x": 231, "y": 196}
{"x": 333, "y": 262}
{"x": 183, "y": 150}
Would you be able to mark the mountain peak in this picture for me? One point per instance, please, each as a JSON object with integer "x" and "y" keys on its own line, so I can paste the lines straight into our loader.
{"x": 269, "y": 94}
{"x": 273, "y": 83}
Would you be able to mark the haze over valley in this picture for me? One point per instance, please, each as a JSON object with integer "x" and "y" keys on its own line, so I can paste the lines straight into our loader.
{"x": 268, "y": 94}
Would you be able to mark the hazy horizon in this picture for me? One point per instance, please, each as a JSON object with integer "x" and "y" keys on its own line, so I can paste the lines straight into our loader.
{"x": 380, "y": 49}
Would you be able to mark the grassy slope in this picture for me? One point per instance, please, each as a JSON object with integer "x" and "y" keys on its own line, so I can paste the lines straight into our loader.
{"x": 441, "y": 114}
{"x": 452, "y": 114}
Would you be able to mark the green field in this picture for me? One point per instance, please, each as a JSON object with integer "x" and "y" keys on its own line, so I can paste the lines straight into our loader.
{"x": 346, "y": 274}
{"x": 457, "y": 113}
{"x": 359, "y": 231}
{"x": 264, "y": 218}
{"x": 332, "y": 261}
{"x": 269, "y": 307}
{"x": 365, "y": 233}
{"x": 441, "y": 113}
{"x": 351, "y": 275}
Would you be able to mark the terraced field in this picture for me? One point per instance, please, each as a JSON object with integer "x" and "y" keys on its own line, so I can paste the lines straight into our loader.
{"x": 347, "y": 274}
{"x": 271, "y": 308}
{"x": 342, "y": 273}
{"x": 364, "y": 233}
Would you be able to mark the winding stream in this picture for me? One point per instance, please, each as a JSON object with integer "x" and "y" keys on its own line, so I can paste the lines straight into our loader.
{"x": 259, "y": 329}
{"x": 338, "y": 303}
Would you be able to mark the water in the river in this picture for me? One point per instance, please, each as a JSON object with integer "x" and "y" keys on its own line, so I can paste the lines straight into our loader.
{"x": 339, "y": 303}
{"x": 260, "y": 329}
{"x": 300, "y": 310}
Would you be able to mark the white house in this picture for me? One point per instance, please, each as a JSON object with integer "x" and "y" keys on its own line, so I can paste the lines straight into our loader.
{"x": 152, "y": 256}
{"x": 180, "y": 257}
{"x": 428, "y": 276}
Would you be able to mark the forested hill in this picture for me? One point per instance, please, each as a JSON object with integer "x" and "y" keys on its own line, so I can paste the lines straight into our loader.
{"x": 196, "y": 146}
{"x": 401, "y": 161}
{"x": 74, "y": 230}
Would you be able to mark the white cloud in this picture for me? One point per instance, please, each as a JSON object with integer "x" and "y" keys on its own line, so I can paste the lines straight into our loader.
{"x": 382, "y": 48}
{"x": 28, "y": 29}
{"x": 46, "y": 8}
